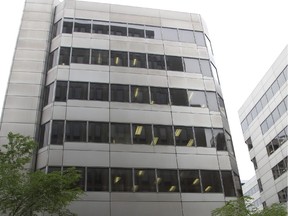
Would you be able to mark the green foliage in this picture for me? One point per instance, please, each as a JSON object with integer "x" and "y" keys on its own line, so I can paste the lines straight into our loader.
{"x": 27, "y": 193}
{"x": 243, "y": 207}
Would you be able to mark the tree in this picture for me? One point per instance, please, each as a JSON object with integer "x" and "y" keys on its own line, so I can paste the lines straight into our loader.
{"x": 243, "y": 207}
{"x": 25, "y": 192}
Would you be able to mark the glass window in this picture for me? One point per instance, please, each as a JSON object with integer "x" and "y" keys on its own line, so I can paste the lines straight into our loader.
{"x": 281, "y": 108}
{"x": 283, "y": 195}
{"x": 281, "y": 79}
{"x": 48, "y": 94}
{"x": 139, "y": 94}
{"x": 163, "y": 135}
{"x": 211, "y": 182}
{"x": 192, "y": 65}
{"x": 119, "y": 93}
{"x": 205, "y": 67}
{"x": 174, "y": 63}
{"x": 156, "y": 62}
{"x": 244, "y": 125}
{"x": 199, "y": 37}
{"x": 204, "y": 137}
{"x": 137, "y": 60}
{"x": 142, "y": 134}
{"x": 275, "y": 87}
{"x": 100, "y": 57}
{"x": 121, "y": 180}
{"x": 64, "y": 57}
{"x": 82, "y": 26}
{"x": 75, "y": 131}
{"x": 184, "y": 136}
{"x": 167, "y": 180}
{"x": 120, "y": 133}
{"x": 78, "y": 90}
{"x": 159, "y": 95}
{"x": 99, "y": 91}
{"x": 220, "y": 139}
{"x": 67, "y": 26}
{"x": 197, "y": 99}
{"x": 179, "y": 97}
{"x": 269, "y": 94}
{"x": 269, "y": 121}
{"x": 153, "y": 32}
{"x": 186, "y": 36}
{"x": 254, "y": 163}
{"x": 97, "y": 179}
{"x": 228, "y": 183}
{"x": 61, "y": 91}
{"x": 170, "y": 34}
{"x": 215, "y": 73}
{"x": 212, "y": 101}
{"x": 57, "y": 132}
{"x": 119, "y": 58}
{"x": 260, "y": 185}
{"x": 259, "y": 107}
{"x": 264, "y": 100}
{"x": 264, "y": 127}
{"x": 119, "y": 29}
{"x": 80, "y": 56}
{"x": 282, "y": 137}
{"x": 229, "y": 143}
{"x": 221, "y": 104}
{"x": 144, "y": 180}
{"x": 275, "y": 115}
{"x": 53, "y": 59}
{"x": 135, "y": 30}
{"x": 209, "y": 46}
{"x": 190, "y": 181}
{"x": 44, "y": 135}
{"x": 98, "y": 132}
{"x": 100, "y": 27}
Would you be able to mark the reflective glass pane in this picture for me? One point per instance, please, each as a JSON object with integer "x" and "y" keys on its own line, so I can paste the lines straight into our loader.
{"x": 75, "y": 131}
{"x": 197, "y": 99}
{"x": 98, "y": 132}
{"x": 97, "y": 179}
{"x": 199, "y": 37}
{"x": 135, "y": 30}
{"x": 142, "y": 134}
{"x": 190, "y": 181}
{"x": 211, "y": 181}
{"x": 153, "y": 32}
{"x": 220, "y": 140}
{"x": 67, "y": 26}
{"x": 156, "y": 62}
{"x": 137, "y": 60}
{"x": 212, "y": 101}
{"x": 82, "y": 26}
{"x": 228, "y": 183}
{"x": 144, "y": 180}
{"x": 99, "y": 91}
{"x": 170, "y": 34}
{"x": 159, "y": 95}
{"x": 80, "y": 56}
{"x": 179, "y": 97}
{"x": 120, "y": 133}
{"x": 192, "y": 65}
{"x": 78, "y": 90}
{"x": 163, "y": 135}
{"x": 186, "y": 36}
{"x": 205, "y": 68}
{"x": 167, "y": 180}
{"x": 139, "y": 94}
{"x": 119, "y": 58}
{"x": 61, "y": 91}
{"x": 119, "y": 93}
{"x": 184, "y": 136}
{"x": 64, "y": 57}
{"x": 121, "y": 180}
{"x": 100, "y": 27}
{"x": 118, "y": 29}
{"x": 174, "y": 63}
{"x": 100, "y": 57}
{"x": 57, "y": 132}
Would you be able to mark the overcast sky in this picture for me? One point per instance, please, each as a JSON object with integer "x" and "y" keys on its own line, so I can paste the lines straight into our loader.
{"x": 246, "y": 35}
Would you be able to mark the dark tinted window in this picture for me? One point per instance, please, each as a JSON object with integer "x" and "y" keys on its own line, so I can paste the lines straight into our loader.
{"x": 67, "y": 26}
{"x": 44, "y": 135}
{"x": 159, "y": 95}
{"x": 192, "y": 65}
{"x": 136, "y": 31}
{"x": 156, "y": 62}
{"x": 98, "y": 132}
{"x": 197, "y": 99}
{"x": 78, "y": 90}
{"x": 48, "y": 94}
{"x": 211, "y": 182}
{"x": 219, "y": 138}
{"x": 99, "y": 91}
{"x": 204, "y": 137}
{"x": 144, "y": 180}
{"x": 64, "y": 57}
{"x": 119, "y": 93}
{"x": 82, "y": 26}
{"x": 53, "y": 59}
{"x": 57, "y": 132}
{"x": 121, "y": 180}
{"x": 119, "y": 58}
{"x": 186, "y": 36}
{"x": 153, "y": 32}
{"x": 190, "y": 181}
{"x": 167, "y": 180}
{"x": 80, "y": 56}
{"x": 142, "y": 134}
{"x": 120, "y": 133}
{"x": 118, "y": 29}
{"x": 163, "y": 135}
{"x": 205, "y": 68}
{"x": 228, "y": 183}
{"x": 174, "y": 63}
{"x": 184, "y": 136}
{"x": 100, "y": 57}
{"x": 170, "y": 34}
{"x": 61, "y": 91}
{"x": 76, "y": 131}
{"x": 179, "y": 97}
{"x": 137, "y": 60}
{"x": 100, "y": 27}
{"x": 139, "y": 94}
{"x": 97, "y": 179}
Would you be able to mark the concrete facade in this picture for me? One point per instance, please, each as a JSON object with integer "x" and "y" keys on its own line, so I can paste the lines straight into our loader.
{"x": 37, "y": 105}
{"x": 264, "y": 125}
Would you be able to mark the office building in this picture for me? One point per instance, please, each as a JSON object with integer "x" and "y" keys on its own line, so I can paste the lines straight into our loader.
{"x": 131, "y": 98}
{"x": 264, "y": 123}
{"x": 250, "y": 188}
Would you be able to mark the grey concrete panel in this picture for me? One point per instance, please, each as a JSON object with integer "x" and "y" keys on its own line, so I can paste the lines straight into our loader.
{"x": 224, "y": 162}
{"x": 49, "y": 2}
{"x": 134, "y": 11}
{"x": 59, "y": 112}
{"x": 209, "y": 84}
{"x": 172, "y": 48}
{"x": 140, "y": 116}
{"x": 89, "y": 6}
{"x": 202, "y": 197}
{"x": 37, "y": 16}
{"x": 69, "y": 13}
{"x": 84, "y": 14}
{"x": 55, "y": 157}
{"x": 47, "y": 114}
{"x": 42, "y": 158}
{"x": 87, "y": 104}
{"x": 34, "y": 7}
{"x": 30, "y": 66}
{"x": 89, "y": 76}
{"x": 45, "y": 26}
{"x": 32, "y": 44}
{"x": 140, "y": 148}
{"x": 51, "y": 75}
{"x": 208, "y": 162}
{"x": 172, "y": 23}
{"x": 155, "y": 48}
{"x": 62, "y": 73}
{"x": 29, "y": 55}
{"x": 19, "y": 116}
{"x": 87, "y": 114}
{"x": 145, "y": 160}
{"x": 200, "y": 208}
{"x": 32, "y": 34}
{"x": 25, "y": 77}
{"x": 144, "y": 197}
{"x": 99, "y": 43}
{"x": 190, "y": 51}
{"x": 179, "y": 82}
{"x": 24, "y": 129}
{"x": 23, "y": 90}
{"x": 89, "y": 208}
{"x": 86, "y": 146}
{"x": 175, "y": 15}
{"x": 56, "y": 42}
{"x": 95, "y": 196}
{"x": 16, "y": 102}
{"x": 216, "y": 120}
{"x": 85, "y": 158}
{"x": 146, "y": 208}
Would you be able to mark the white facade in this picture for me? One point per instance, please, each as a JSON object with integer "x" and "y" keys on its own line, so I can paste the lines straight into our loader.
{"x": 119, "y": 106}
{"x": 264, "y": 124}
{"x": 251, "y": 189}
